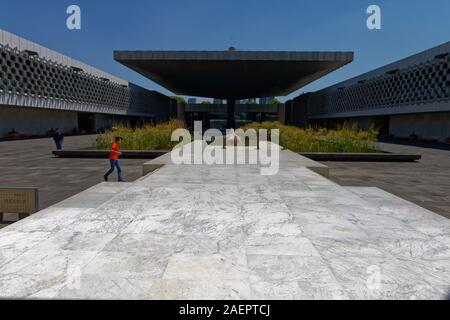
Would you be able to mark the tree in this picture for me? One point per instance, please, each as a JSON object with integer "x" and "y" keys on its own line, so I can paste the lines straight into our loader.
{"x": 274, "y": 101}
{"x": 180, "y": 100}
{"x": 250, "y": 101}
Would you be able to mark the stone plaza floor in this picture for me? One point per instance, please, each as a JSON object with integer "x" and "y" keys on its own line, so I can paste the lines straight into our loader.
{"x": 226, "y": 232}
{"x": 30, "y": 163}
{"x": 425, "y": 182}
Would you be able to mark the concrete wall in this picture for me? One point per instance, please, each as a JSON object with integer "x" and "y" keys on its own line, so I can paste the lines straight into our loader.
{"x": 435, "y": 125}
{"x": 417, "y": 84}
{"x": 282, "y": 113}
{"x": 34, "y": 76}
{"x": 363, "y": 123}
{"x": 22, "y": 44}
{"x": 299, "y": 111}
{"x": 150, "y": 103}
{"x": 35, "y": 121}
{"x": 410, "y": 96}
{"x": 103, "y": 121}
{"x": 288, "y": 105}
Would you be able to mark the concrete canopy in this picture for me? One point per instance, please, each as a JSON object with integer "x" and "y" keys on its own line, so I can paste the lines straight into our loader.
{"x": 233, "y": 74}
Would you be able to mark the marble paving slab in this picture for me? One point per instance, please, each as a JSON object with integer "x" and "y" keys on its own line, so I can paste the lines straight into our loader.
{"x": 226, "y": 232}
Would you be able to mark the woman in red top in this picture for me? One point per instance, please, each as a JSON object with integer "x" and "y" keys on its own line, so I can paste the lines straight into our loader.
{"x": 114, "y": 159}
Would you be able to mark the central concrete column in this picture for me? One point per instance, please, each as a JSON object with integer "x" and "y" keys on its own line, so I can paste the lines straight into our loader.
{"x": 231, "y": 103}
{"x": 205, "y": 120}
{"x": 181, "y": 107}
{"x": 282, "y": 113}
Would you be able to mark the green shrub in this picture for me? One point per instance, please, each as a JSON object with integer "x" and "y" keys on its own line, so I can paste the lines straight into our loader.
{"x": 346, "y": 138}
{"x": 149, "y": 137}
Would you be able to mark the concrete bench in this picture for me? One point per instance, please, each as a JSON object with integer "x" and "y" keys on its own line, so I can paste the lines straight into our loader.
{"x": 104, "y": 154}
{"x": 155, "y": 164}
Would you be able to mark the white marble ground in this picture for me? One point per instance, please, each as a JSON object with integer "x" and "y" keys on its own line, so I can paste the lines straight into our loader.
{"x": 226, "y": 232}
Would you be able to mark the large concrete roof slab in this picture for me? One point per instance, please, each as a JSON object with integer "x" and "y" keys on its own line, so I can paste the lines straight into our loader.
{"x": 233, "y": 74}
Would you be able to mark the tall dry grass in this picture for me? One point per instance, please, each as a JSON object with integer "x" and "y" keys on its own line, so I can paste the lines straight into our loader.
{"x": 149, "y": 137}
{"x": 345, "y": 138}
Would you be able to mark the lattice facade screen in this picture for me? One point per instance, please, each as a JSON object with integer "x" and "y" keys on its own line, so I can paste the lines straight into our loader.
{"x": 418, "y": 85}
{"x": 25, "y": 74}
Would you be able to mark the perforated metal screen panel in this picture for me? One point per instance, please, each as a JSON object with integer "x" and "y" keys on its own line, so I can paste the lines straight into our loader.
{"x": 31, "y": 81}
{"x": 25, "y": 74}
{"x": 418, "y": 84}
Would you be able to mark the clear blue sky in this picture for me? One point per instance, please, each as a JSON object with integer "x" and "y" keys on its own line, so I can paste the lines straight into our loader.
{"x": 408, "y": 26}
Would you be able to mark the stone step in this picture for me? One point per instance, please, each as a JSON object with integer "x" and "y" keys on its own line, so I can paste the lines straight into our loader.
{"x": 421, "y": 219}
{"x": 95, "y": 196}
